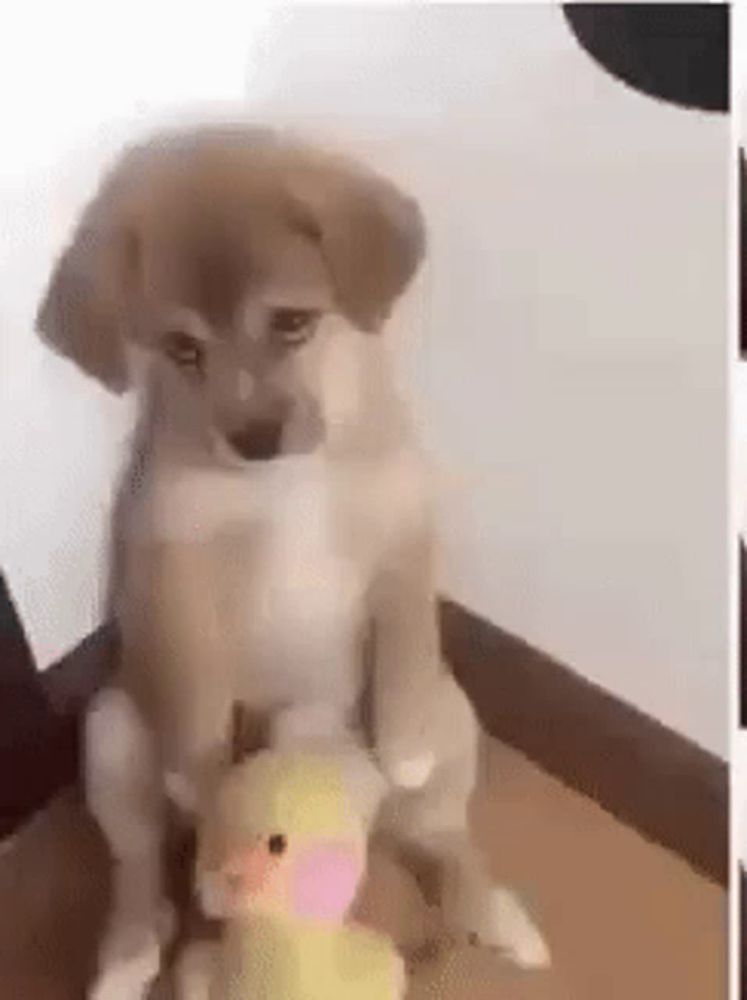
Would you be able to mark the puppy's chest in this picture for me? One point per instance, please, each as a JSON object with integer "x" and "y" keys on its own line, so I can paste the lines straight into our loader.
{"x": 299, "y": 608}
{"x": 306, "y": 569}
{"x": 297, "y": 544}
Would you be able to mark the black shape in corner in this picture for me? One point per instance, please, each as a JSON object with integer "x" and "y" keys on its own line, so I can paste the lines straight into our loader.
{"x": 676, "y": 52}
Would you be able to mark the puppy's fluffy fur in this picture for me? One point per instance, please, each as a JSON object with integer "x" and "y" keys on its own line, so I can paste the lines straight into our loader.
{"x": 276, "y": 507}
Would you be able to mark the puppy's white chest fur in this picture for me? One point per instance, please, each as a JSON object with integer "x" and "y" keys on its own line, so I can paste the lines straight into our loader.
{"x": 304, "y": 597}
{"x": 304, "y": 538}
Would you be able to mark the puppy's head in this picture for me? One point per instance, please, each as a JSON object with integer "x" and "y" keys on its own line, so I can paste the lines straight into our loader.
{"x": 227, "y": 267}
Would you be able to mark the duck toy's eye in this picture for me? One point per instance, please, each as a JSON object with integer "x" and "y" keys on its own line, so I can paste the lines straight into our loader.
{"x": 277, "y": 844}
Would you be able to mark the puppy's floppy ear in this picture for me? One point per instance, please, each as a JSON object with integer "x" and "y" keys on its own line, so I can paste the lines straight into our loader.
{"x": 83, "y": 311}
{"x": 372, "y": 237}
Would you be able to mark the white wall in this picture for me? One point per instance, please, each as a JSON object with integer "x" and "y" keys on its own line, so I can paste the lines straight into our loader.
{"x": 573, "y": 314}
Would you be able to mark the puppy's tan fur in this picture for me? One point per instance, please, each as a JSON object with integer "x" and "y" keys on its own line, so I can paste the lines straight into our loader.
{"x": 251, "y": 581}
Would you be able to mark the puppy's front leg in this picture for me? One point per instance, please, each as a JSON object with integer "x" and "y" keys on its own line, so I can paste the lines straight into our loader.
{"x": 407, "y": 662}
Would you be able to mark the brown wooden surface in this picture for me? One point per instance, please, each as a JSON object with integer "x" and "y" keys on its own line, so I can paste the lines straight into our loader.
{"x": 626, "y": 919}
{"x": 645, "y": 774}
{"x": 650, "y": 777}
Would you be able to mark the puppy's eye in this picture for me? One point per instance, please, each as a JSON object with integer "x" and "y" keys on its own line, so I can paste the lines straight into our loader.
{"x": 184, "y": 350}
{"x": 293, "y": 326}
{"x": 277, "y": 844}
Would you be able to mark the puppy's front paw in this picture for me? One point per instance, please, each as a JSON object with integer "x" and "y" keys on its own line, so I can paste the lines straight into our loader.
{"x": 412, "y": 772}
{"x": 407, "y": 757}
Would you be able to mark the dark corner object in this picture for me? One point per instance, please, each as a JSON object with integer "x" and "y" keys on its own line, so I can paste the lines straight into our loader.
{"x": 35, "y": 745}
{"x": 677, "y": 52}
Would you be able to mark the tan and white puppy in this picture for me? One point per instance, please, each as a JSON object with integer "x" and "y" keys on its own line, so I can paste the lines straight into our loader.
{"x": 276, "y": 508}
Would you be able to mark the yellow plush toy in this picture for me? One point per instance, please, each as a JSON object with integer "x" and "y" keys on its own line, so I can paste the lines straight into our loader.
{"x": 281, "y": 858}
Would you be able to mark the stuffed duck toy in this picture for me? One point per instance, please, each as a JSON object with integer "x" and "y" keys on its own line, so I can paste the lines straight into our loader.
{"x": 281, "y": 858}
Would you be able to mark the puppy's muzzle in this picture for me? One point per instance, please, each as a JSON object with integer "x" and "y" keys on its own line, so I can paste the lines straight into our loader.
{"x": 259, "y": 440}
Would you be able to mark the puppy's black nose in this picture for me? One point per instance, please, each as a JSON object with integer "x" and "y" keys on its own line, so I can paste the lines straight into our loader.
{"x": 258, "y": 441}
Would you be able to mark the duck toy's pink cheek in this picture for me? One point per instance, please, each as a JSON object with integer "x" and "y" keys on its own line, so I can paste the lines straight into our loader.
{"x": 324, "y": 881}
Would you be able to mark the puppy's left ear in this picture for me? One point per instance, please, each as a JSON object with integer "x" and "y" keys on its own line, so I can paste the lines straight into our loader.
{"x": 81, "y": 314}
{"x": 371, "y": 235}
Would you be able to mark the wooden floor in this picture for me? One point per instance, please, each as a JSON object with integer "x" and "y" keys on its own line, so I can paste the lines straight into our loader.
{"x": 625, "y": 919}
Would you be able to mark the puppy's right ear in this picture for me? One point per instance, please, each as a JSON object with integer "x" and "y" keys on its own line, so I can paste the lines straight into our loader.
{"x": 372, "y": 236}
{"x": 83, "y": 311}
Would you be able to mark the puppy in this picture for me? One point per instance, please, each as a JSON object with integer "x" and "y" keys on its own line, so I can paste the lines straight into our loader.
{"x": 276, "y": 511}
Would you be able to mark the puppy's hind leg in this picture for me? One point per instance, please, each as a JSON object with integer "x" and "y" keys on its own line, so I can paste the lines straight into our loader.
{"x": 490, "y": 914}
{"x": 124, "y": 794}
{"x": 435, "y": 821}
